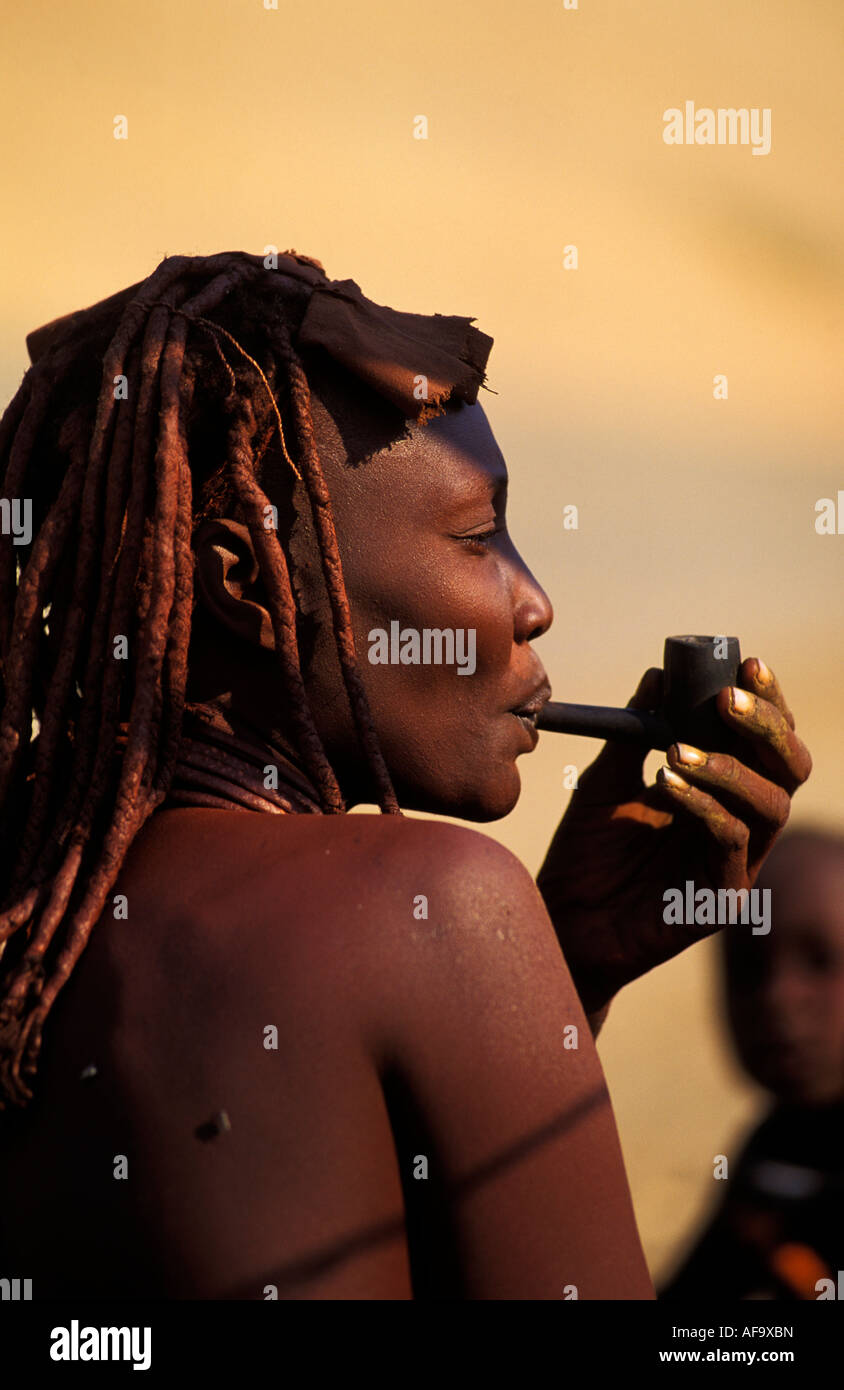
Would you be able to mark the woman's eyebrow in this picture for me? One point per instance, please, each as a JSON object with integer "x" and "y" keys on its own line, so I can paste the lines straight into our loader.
{"x": 481, "y": 489}
{"x": 491, "y": 481}
{"x": 471, "y": 487}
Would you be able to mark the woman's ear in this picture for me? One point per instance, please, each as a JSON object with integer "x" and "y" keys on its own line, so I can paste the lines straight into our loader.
{"x": 227, "y": 580}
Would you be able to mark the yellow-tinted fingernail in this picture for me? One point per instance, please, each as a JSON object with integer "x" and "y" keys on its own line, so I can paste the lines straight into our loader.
{"x": 692, "y": 757}
{"x": 763, "y": 673}
{"x": 740, "y": 701}
{"x": 674, "y": 779}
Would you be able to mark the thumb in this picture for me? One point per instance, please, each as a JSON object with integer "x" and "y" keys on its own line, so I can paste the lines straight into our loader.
{"x": 617, "y": 771}
{"x": 648, "y": 693}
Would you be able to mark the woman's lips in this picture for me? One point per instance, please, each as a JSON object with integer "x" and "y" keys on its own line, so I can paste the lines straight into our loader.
{"x": 530, "y": 707}
{"x": 528, "y": 723}
{"x": 528, "y": 710}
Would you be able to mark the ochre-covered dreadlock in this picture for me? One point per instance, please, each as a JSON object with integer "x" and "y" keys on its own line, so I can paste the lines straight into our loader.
{"x": 112, "y": 484}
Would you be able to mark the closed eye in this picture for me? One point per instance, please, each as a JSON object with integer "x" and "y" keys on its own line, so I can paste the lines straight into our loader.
{"x": 480, "y": 541}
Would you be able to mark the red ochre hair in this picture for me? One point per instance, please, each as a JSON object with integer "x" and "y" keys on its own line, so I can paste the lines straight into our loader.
{"x": 112, "y": 484}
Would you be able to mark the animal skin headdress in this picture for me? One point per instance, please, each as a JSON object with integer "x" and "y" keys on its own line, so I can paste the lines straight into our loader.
{"x": 416, "y": 361}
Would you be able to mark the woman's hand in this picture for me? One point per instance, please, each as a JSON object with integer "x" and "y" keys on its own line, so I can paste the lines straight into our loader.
{"x": 709, "y": 818}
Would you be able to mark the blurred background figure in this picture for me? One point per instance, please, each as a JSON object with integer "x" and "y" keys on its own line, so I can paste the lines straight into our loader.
{"x": 780, "y": 1224}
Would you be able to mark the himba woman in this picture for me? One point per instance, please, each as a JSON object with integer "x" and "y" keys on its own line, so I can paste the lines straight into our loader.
{"x": 252, "y": 1046}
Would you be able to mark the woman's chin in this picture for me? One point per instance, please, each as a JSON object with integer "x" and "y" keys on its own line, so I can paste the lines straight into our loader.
{"x": 490, "y": 801}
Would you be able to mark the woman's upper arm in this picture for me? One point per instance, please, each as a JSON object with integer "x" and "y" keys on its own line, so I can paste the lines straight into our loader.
{"x": 489, "y": 1041}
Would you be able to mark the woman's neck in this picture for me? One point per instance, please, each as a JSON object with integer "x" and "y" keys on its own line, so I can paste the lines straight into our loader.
{"x": 227, "y": 762}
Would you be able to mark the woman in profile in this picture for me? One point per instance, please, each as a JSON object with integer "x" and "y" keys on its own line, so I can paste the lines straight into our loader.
{"x": 252, "y": 1046}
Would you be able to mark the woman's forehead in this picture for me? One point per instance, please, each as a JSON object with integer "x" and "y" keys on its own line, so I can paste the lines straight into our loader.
{"x": 453, "y": 453}
{"x": 451, "y": 460}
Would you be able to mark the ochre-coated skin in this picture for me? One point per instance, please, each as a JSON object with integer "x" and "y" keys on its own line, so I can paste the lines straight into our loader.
{"x": 452, "y": 1028}
{"x": 400, "y": 1038}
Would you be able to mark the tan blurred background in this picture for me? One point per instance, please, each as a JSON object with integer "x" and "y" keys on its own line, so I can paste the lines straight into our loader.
{"x": 294, "y": 127}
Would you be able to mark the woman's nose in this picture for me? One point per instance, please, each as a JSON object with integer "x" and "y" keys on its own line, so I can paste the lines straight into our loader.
{"x": 534, "y": 613}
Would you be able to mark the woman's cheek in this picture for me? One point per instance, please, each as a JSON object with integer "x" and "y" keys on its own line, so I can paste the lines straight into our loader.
{"x": 494, "y": 635}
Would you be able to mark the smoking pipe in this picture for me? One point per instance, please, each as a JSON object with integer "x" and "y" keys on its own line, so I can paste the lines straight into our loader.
{"x": 695, "y": 669}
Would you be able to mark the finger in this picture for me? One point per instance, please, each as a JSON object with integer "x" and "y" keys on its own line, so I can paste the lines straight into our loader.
{"x": 778, "y": 747}
{"x": 617, "y": 770}
{"x": 729, "y": 837}
{"x": 752, "y": 797}
{"x": 759, "y": 678}
{"x": 648, "y": 693}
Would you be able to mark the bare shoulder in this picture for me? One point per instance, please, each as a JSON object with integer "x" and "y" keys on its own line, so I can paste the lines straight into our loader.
{"x": 467, "y": 885}
{"x": 452, "y": 860}
{"x": 285, "y": 868}
{"x": 414, "y": 898}
{"x": 322, "y": 901}
{"x": 455, "y": 855}
{"x": 396, "y": 858}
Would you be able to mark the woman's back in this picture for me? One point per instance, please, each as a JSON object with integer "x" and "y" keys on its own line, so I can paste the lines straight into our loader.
{"x": 332, "y": 1060}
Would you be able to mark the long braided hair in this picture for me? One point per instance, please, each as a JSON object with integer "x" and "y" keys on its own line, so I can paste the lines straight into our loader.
{"x": 88, "y": 743}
